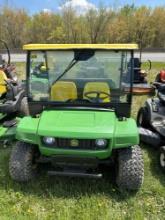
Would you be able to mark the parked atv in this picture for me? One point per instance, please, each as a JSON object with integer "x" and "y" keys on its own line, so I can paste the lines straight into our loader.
{"x": 81, "y": 119}
{"x": 151, "y": 118}
{"x": 13, "y": 102}
{"x": 140, "y": 84}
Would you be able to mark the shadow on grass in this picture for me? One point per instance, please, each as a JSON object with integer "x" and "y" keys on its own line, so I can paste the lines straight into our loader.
{"x": 155, "y": 168}
{"x": 63, "y": 187}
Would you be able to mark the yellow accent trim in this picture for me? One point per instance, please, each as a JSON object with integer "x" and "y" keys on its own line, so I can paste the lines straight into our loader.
{"x": 80, "y": 46}
{"x": 2, "y": 82}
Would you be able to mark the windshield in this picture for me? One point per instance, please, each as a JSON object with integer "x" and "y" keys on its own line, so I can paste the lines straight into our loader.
{"x": 80, "y": 76}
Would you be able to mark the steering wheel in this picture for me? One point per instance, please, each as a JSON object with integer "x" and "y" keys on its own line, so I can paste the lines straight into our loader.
{"x": 98, "y": 94}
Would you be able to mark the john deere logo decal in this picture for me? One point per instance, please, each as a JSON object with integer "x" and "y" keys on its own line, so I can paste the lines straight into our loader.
{"x": 74, "y": 143}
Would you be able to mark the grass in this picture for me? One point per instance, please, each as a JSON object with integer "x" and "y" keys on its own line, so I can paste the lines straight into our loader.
{"x": 52, "y": 198}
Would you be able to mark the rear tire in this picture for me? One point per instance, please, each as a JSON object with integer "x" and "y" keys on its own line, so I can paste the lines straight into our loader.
{"x": 130, "y": 172}
{"x": 143, "y": 117}
{"x": 22, "y": 166}
{"x": 162, "y": 158}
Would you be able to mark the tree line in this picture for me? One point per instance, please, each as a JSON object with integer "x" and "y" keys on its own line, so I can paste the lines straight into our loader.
{"x": 142, "y": 25}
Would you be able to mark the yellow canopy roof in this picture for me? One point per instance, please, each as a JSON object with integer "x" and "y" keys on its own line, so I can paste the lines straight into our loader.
{"x": 80, "y": 46}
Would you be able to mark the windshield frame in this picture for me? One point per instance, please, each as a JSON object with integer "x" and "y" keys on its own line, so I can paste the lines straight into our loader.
{"x": 66, "y": 104}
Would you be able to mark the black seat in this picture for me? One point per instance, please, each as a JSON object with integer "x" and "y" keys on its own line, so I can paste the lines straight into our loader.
{"x": 137, "y": 68}
{"x": 138, "y": 78}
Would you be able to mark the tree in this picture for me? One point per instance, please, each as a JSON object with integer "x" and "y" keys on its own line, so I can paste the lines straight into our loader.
{"x": 143, "y": 29}
{"x": 158, "y": 21}
{"x": 42, "y": 26}
{"x": 14, "y": 23}
{"x": 97, "y": 21}
{"x": 142, "y": 25}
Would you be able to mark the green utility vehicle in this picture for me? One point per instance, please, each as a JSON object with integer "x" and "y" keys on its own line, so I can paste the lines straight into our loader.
{"x": 80, "y": 107}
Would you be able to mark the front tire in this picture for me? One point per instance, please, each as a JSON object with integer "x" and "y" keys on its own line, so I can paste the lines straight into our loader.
{"x": 143, "y": 117}
{"x": 162, "y": 158}
{"x": 130, "y": 172}
{"x": 22, "y": 166}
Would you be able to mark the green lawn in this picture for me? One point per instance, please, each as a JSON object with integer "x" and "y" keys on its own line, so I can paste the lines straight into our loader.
{"x": 55, "y": 198}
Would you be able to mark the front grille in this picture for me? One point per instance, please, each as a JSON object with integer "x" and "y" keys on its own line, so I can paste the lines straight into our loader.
{"x": 76, "y": 144}
{"x": 84, "y": 144}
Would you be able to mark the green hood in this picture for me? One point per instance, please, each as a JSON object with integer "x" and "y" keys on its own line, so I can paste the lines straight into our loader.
{"x": 78, "y": 124}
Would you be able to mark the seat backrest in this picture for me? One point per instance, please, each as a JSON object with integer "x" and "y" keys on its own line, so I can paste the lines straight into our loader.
{"x": 63, "y": 90}
{"x": 97, "y": 87}
{"x": 3, "y": 77}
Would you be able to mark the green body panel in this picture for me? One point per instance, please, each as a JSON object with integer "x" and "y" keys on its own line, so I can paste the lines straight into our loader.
{"x": 7, "y": 133}
{"x": 81, "y": 125}
{"x": 27, "y": 130}
{"x": 126, "y": 133}
{"x": 40, "y": 84}
{"x": 77, "y": 124}
{"x": 39, "y": 79}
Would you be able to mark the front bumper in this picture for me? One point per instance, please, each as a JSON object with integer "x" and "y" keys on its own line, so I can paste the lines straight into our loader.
{"x": 100, "y": 154}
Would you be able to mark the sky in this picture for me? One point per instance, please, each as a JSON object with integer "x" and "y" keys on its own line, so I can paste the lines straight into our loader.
{"x": 33, "y": 6}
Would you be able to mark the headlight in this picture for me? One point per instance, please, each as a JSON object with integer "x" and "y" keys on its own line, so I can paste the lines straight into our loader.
{"x": 49, "y": 140}
{"x": 101, "y": 143}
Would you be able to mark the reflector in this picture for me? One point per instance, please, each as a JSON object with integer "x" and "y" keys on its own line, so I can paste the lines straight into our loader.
{"x": 162, "y": 75}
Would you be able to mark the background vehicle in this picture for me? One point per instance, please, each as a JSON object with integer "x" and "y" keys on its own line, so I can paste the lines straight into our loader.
{"x": 151, "y": 118}
{"x": 12, "y": 97}
{"x": 80, "y": 114}
{"x": 140, "y": 84}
